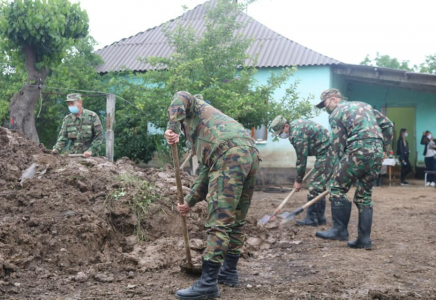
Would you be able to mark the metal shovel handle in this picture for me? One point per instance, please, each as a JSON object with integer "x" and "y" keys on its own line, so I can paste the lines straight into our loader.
{"x": 181, "y": 201}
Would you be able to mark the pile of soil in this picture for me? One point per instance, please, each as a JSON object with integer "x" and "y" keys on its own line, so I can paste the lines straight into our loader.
{"x": 89, "y": 218}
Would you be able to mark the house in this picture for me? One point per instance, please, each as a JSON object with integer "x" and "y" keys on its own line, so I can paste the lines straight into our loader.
{"x": 408, "y": 98}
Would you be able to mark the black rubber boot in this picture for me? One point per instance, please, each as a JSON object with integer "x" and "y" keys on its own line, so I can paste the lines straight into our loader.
{"x": 321, "y": 212}
{"x": 228, "y": 273}
{"x": 363, "y": 240}
{"x": 341, "y": 211}
{"x": 311, "y": 216}
{"x": 204, "y": 288}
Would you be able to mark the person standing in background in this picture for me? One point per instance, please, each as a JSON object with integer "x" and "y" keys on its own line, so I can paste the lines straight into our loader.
{"x": 429, "y": 156}
{"x": 403, "y": 153}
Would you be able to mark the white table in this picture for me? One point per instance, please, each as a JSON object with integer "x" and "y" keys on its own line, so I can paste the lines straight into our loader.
{"x": 390, "y": 162}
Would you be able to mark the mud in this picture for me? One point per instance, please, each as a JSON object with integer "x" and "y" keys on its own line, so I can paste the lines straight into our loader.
{"x": 92, "y": 229}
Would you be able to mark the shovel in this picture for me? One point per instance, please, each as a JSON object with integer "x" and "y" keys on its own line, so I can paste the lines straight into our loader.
{"x": 189, "y": 267}
{"x": 288, "y": 216}
{"x": 266, "y": 218}
{"x": 186, "y": 160}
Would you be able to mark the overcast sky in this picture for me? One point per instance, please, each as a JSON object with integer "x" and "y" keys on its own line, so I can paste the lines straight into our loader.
{"x": 346, "y": 30}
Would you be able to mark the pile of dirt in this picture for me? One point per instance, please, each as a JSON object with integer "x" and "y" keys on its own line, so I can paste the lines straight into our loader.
{"x": 90, "y": 218}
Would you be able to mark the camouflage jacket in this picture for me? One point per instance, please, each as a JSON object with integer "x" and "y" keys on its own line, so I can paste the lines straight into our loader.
{"x": 210, "y": 132}
{"x": 80, "y": 134}
{"x": 356, "y": 121}
{"x": 308, "y": 139}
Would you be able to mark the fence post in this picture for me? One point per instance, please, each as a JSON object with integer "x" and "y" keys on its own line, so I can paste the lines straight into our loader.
{"x": 110, "y": 119}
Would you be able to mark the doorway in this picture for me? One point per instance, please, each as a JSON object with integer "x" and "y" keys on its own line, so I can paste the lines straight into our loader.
{"x": 404, "y": 117}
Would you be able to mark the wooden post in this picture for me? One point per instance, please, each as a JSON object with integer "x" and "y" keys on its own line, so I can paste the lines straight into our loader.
{"x": 110, "y": 119}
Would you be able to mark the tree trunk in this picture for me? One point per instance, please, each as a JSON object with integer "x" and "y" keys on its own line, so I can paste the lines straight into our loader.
{"x": 22, "y": 107}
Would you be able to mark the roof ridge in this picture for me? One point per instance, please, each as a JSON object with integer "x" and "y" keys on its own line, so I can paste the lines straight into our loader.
{"x": 277, "y": 49}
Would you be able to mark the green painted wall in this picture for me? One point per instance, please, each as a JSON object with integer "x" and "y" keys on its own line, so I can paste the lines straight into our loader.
{"x": 313, "y": 81}
{"x": 382, "y": 97}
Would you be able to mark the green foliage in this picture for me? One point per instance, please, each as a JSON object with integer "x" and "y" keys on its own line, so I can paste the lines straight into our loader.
{"x": 429, "y": 66}
{"x": 386, "y": 61}
{"x": 49, "y": 27}
{"x": 214, "y": 64}
{"x": 140, "y": 196}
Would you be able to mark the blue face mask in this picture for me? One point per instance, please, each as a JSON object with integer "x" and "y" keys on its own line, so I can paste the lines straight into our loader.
{"x": 73, "y": 109}
{"x": 406, "y": 134}
{"x": 284, "y": 135}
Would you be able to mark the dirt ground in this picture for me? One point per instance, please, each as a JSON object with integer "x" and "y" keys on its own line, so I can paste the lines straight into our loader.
{"x": 62, "y": 237}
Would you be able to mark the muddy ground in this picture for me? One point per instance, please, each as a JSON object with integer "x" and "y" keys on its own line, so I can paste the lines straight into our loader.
{"x": 76, "y": 233}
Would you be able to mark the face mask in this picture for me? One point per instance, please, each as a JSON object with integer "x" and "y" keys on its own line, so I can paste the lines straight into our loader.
{"x": 327, "y": 108}
{"x": 284, "y": 135}
{"x": 429, "y": 136}
{"x": 73, "y": 109}
{"x": 406, "y": 135}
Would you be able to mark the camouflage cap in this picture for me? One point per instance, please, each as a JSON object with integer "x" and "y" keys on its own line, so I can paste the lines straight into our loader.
{"x": 327, "y": 94}
{"x": 277, "y": 125}
{"x": 73, "y": 97}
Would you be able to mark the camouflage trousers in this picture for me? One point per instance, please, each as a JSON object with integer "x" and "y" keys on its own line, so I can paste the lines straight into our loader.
{"x": 231, "y": 187}
{"x": 321, "y": 174}
{"x": 362, "y": 164}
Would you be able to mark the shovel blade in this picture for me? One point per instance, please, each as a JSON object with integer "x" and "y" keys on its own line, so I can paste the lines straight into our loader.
{"x": 290, "y": 216}
{"x": 264, "y": 220}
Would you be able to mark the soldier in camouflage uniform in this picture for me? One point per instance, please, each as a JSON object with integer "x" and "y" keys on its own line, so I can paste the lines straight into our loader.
{"x": 308, "y": 139}
{"x": 81, "y": 130}
{"x": 230, "y": 162}
{"x": 360, "y": 134}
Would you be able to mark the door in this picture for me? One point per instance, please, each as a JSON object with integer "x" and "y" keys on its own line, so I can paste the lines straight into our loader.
{"x": 404, "y": 117}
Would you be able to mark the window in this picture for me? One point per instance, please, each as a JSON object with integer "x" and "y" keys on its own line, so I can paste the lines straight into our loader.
{"x": 260, "y": 135}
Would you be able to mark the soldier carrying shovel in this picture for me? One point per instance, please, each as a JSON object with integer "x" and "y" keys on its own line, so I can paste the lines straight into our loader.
{"x": 226, "y": 181}
{"x": 308, "y": 139}
{"x": 360, "y": 134}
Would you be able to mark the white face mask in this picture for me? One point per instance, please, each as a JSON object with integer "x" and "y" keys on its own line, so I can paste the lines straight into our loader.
{"x": 406, "y": 134}
{"x": 429, "y": 136}
{"x": 284, "y": 135}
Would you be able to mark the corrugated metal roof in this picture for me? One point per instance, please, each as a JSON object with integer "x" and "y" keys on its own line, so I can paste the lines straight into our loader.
{"x": 273, "y": 49}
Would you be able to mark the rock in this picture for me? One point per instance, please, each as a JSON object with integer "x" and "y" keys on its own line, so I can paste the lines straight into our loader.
{"x": 131, "y": 286}
{"x": 131, "y": 240}
{"x": 254, "y": 242}
{"x": 103, "y": 278}
{"x": 197, "y": 244}
{"x": 17, "y": 284}
{"x": 272, "y": 224}
{"x": 265, "y": 246}
{"x": 81, "y": 277}
{"x": 131, "y": 275}
{"x": 295, "y": 242}
{"x": 63, "y": 250}
{"x": 249, "y": 286}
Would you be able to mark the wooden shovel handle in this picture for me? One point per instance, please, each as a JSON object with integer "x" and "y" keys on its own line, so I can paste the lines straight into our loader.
{"x": 290, "y": 195}
{"x": 186, "y": 160}
{"x": 181, "y": 201}
{"x": 314, "y": 200}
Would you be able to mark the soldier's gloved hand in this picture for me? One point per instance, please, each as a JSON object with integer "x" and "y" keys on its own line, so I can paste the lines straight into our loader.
{"x": 183, "y": 208}
{"x": 55, "y": 151}
{"x": 297, "y": 186}
{"x": 87, "y": 154}
{"x": 171, "y": 137}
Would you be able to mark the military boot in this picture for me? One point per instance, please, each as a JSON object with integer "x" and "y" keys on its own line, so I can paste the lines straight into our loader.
{"x": 204, "y": 288}
{"x": 341, "y": 211}
{"x": 363, "y": 240}
{"x": 321, "y": 212}
{"x": 228, "y": 273}
{"x": 311, "y": 216}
